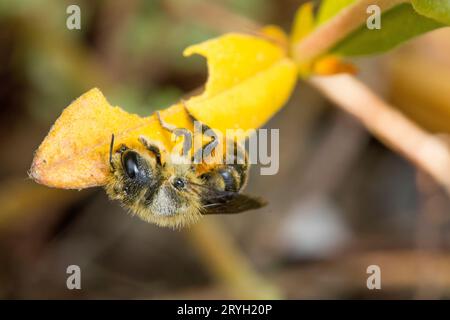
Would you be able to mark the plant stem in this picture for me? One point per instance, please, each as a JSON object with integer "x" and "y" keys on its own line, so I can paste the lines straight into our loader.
{"x": 336, "y": 29}
{"x": 389, "y": 125}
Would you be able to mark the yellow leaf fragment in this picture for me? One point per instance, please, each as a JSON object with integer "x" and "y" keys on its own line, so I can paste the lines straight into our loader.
{"x": 249, "y": 80}
{"x": 74, "y": 154}
{"x": 276, "y": 34}
{"x": 79, "y": 132}
{"x": 304, "y": 22}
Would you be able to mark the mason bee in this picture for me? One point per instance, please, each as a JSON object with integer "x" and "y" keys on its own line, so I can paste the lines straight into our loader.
{"x": 161, "y": 189}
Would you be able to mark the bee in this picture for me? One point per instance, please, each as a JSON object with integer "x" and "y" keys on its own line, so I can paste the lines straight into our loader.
{"x": 171, "y": 193}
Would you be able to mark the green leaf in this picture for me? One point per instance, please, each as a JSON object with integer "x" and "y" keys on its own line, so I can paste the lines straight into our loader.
{"x": 329, "y": 8}
{"x": 434, "y": 9}
{"x": 398, "y": 24}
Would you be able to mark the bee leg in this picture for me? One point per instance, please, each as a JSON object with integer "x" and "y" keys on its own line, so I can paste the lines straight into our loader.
{"x": 187, "y": 141}
{"x": 122, "y": 148}
{"x": 206, "y": 150}
{"x": 152, "y": 147}
{"x": 208, "y": 147}
{"x": 111, "y": 147}
{"x": 167, "y": 126}
{"x": 204, "y": 126}
{"x": 239, "y": 163}
{"x": 239, "y": 153}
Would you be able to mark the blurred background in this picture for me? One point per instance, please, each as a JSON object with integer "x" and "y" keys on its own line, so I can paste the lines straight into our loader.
{"x": 340, "y": 202}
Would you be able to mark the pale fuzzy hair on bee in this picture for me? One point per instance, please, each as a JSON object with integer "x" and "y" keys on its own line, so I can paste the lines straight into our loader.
{"x": 176, "y": 221}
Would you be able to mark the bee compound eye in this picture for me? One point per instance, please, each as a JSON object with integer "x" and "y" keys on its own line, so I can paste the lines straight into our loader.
{"x": 226, "y": 175}
{"x": 229, "y": 180}
{"x": 130, "y": 163}
{"x": 178, "y": 183}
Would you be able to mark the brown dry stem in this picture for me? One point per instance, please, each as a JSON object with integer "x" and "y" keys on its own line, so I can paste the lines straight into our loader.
{"x": 337, "y": 28}
{"x": 427, "y": 151}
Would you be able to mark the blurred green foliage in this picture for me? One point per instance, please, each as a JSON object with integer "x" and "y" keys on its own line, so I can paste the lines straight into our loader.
{"x": 131, "y": 50}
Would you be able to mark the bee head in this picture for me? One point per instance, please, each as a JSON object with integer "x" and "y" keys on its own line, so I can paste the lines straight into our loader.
{"x": 164, "y": 194}
{"x": 175, "y": 193}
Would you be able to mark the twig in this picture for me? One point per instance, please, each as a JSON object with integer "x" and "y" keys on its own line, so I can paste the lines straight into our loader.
{"x": 336, "y": 29}
{"x": 427, "y": 151}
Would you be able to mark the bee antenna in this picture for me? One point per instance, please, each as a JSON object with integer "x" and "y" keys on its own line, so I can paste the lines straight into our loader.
{"x": 111, "y": 147}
